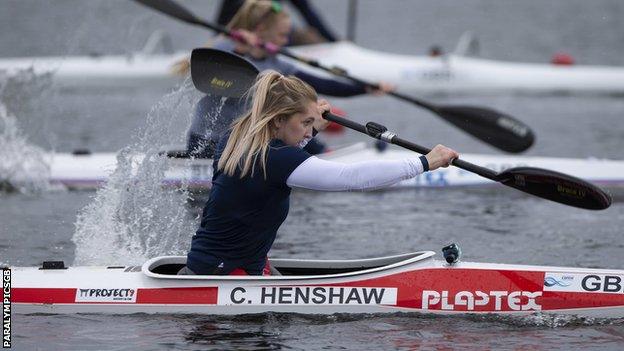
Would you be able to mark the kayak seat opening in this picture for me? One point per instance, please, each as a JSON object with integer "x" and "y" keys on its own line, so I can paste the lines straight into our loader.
{"x": 168, "y": 269}
{"x": 292, "y": 271}
{"x": 330, "y": 267}
{"x": 174, "y": 268}
{"x": 171, "y": 265}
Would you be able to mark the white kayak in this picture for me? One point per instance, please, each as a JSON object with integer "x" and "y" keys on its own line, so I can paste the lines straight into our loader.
{"x": 136, "y": 70}
{"x": 460, "y": 74}
{"x": 90, "y": 171}
{"x": 411, "y": 74}
{"x": 414, "y": 282}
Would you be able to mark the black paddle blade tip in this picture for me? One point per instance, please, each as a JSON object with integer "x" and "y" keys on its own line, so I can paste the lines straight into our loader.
{"x": 558, "y": 187}
{"x": 495, "y": 128}
{"x": 221, "y": 73}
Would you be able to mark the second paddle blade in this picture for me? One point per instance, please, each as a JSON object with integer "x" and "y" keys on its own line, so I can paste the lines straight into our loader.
{"x": 493, "y": 127}
{"x": 221, "y": 73}
{"x": 556, "y": 187}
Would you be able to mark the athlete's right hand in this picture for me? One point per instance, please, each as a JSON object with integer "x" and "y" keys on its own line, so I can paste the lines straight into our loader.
{"x": 248, "y": 42}
{"x": 441, "y": 156}
{"x": 321, "y": 123}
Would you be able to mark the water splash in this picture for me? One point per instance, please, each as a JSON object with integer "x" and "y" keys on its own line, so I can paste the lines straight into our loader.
{"x": 134, "y": 217}
{"x": 22, "y": 90}
{"x": 24, "y": 167}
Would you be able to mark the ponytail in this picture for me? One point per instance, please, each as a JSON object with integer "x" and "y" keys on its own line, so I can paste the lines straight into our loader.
{"x": 274, "y": 97}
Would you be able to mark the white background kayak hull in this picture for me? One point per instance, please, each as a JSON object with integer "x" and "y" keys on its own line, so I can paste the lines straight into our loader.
{"x": 91, "y": 171}
{"x": 411, "y": 74}
{"x": 116, "y": 71}
{"x": 464, "y": 75}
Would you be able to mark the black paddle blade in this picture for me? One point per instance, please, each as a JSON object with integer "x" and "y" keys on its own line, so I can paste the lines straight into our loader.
{"x": 556, "y": 187}
{"x": 170, "y": 8}
{"x": 221, "y": 73}
{"x": 495, "y": 128}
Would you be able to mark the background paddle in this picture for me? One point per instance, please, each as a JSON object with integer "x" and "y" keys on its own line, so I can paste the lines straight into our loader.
{"x": 230, "y": 75}
{"x": 543, "y": 183}
{"x": 497, "y": 129}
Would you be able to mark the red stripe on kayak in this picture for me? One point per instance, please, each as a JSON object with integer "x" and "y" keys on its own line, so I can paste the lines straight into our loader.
{"x": 455, "y": 280}
{"x": 199, "y": 295}
{"x": 411, "y": 285}
{"x": 553, "y": 300}
{"x": 43, "y": 295}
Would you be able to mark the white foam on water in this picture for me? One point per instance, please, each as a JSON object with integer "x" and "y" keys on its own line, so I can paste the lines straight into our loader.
{"x": 133, "y": 217}
{"x": 24, "y": 167}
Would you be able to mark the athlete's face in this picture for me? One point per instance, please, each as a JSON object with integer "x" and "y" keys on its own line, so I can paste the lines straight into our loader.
{"x": 298, "y": 128}
{"x": 276, "y": 34}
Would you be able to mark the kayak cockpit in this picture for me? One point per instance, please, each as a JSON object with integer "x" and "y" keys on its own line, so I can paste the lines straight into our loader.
{"x": 166, "y": 267}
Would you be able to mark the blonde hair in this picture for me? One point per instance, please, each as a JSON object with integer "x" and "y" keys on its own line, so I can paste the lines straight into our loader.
{"x": 255, "y": 12}
{"x": 274, "y": 97}
{"x": 248, "y": 17}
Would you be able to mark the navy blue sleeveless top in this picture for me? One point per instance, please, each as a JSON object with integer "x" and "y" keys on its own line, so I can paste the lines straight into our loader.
{"x": 242, "y": 216}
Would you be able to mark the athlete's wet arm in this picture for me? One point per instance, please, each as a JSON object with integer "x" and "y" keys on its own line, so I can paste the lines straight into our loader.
{"x": 318, "y": 174}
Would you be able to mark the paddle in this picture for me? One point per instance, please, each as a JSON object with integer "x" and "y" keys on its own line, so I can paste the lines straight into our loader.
{"x": 497, "y": 129}
{"x": 540, "y": 182}
{"x": 230, "y": 75}
{"x": 206, "y": 68}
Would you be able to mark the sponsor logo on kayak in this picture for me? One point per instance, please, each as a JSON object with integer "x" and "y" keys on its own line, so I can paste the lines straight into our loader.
{"x": 434, "y": 75}
{"x": 583, "y": 282}
{"x": 437, "y": 178}
{"x": 307, "y": 295}
{"x": 481, "y": 301}
{"x": 562, "y": 281}
{"x": 106, "y": 295}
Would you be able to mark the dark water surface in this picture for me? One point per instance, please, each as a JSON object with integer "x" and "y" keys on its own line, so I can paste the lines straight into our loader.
{"x": 492, "y": 226}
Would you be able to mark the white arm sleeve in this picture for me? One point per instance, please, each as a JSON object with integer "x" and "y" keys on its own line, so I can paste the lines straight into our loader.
{"x": 317, "y": 174}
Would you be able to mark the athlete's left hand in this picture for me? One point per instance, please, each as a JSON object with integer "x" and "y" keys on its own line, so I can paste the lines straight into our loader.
{"x": 384, "y": 88}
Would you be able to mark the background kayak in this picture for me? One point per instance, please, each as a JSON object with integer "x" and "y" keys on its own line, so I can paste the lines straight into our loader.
{"x": 451, "y": 73}
{"x": 133, "y": 70}
{"x": 91, "y": 171}
{"x": 457, "y": 74}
